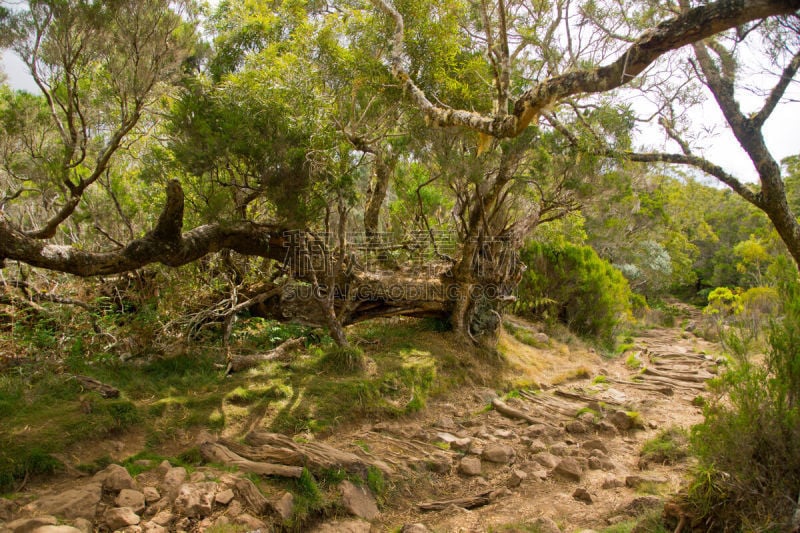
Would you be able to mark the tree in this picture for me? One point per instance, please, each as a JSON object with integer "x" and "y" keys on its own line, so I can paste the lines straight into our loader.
{"x": 498, "y": 188}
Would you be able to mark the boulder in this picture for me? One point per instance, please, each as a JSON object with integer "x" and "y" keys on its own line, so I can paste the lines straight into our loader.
{"x": 115, "y": 478}
{"x": 595, "y": 444}
{"x": 131, "y": 498}
{"x": 27, "y": 525}
{"x": 516, "y": 479}
{"x": 498, "y": 453}
{"x": 120, "y": 517}
{"x": 568, "y": 468}
{"x": 172, "y": 481}
{"x": 358, "y": 501}
{"x": 151, "y": 495}
{"x": 582, "y": 495}
{"x": 80, "y": 502}
{"x": 196, "y": 500}
{"x": 547, "y": 460}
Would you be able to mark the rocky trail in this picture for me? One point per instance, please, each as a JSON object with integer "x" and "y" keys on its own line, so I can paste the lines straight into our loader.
{"x": 564, "y": 455}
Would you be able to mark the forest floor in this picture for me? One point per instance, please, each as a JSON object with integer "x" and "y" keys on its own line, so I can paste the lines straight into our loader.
{"x": 563, "y": 438}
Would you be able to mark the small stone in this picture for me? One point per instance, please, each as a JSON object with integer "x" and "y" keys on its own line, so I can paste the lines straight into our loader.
{"x": 415, "y": 528}
{"x": 358, "y": 501}
{"x": 606, "y": 427}
{"x": 284, "y": 506}
{"x": 196, "y": 500}
{"x": 622, "y": 420}
{"x": 576, "y": 427}
{"x": 559, "y": 449}
{"x": 131, "y": 498}
{"x": 612, "y": 483}
{"x": 641, "y": 504}
{"x": 249, "y": 521}
{"x": 163, "y": 518}
{"x": 455, "y": 443}
{"x": 504, "y": 433}
{"x": 516, "y": 479}
{"x": 26, "y": 525}
{"x": 470, "y": 466}
{"x": 222, "y": 521}
{"x": 235, "y": 508}
{"x": 152, "y": 527}
{"x": 537, "y": 445}
{"x": 446, "y": 423}
{"x": 224, "y": 497}
{"x": 150, "y": 495}
{"x": 607, "y": 464}
{"x": 569, "y": 469}
{"x": 115, "y": 478}
{"x": 595, "y": 463}
{"x": 197, "y": 477}
{"x": 597, "y": 453}
{"x": 595, "y": 444}
{"x": 541, "y": 338}
{"x": 545, "y": 525}
{"x": 120, "y": 517}
{"x": 547, "y": 460}
{"x": 163, "y": 467}
{"x": 498, "y": 453}
{"x": 582, "y": 495}
{"x": 439, "y": 462}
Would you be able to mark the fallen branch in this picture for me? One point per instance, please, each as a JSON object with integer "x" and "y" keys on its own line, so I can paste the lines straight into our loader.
{"x": 501, "y": 407}
{"x": 468, "y": 502}
{"x": 237, "y": 363}
{"x": 214, "y": 452}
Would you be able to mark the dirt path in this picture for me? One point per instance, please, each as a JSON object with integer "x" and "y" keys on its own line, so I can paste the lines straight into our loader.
{"x": 575, "y": 458}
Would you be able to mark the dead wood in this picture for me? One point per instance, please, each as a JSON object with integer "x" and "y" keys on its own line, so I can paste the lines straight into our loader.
{"x": 106, "y": 391}
{"x": 237, "y": 363}
{"x": 218, "y": 453}
{"x": 666, "y": 391}
{"x": 694, "y": 377}
{"x": 468, "y": 502}
{"x": 501, "y": 407}
{"x": 558, "y": 408}
{"x": 315, "y": 456}
{"x": 247, "y": 491}
{"x": 587, "y": 399}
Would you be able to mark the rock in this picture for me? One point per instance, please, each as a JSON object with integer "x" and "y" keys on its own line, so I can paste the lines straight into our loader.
{"x": 538, "y": 430}
{"x": 469, "y": 466}
{"x": 582, "y": 495}
{"x": 597, "y": 453}
{"x": 150, "y": 495}
{"x": 131, "y": 498}
{"x": 27, "y": 525}
{"x": 504, "y": 434}
{"x": 284, "y": 506}
{"x": 120, "y": 517}
{"x": 163, "y": 518}
{"x": 343, "y": 526}
{"x": 559, "y": 449}
{"x": 485, "y": 395}
{"x": 541, "y": 338}
{"x": 172, "y": 481}
{"x": 415, "y": 528}
{"x": 234, "y": 508}
{"x": 595, "y": 463}
{"x": 606, "y": 427}
{"x": 569, "y": 469}
{"x": 498, "y": 453}
{"x": 83, "y": 524}
{"x": 545, "y": 525}
{"x": 516, "y": 479}
{"x": 455, "y": 443}
{"x": 576, "y": 427}
{"x": 612, "y": 483}
{"x": 547, "y": 460}
{"x": 57, "y": 529}
{"x": 537, "y": 445}
{"x": 358, "y": 501}
{"x": 152, "y": 527}
{"x": 595, "y": 444}
{"x": 635, "y": 481}
{"x": 196, "y": 500}
{"x": 163, "y": 467}
{"x": 197, "y": 477}
{"x": 114, "y": 478}
{"x": 446, "y": 423}
{"x": 439, "y": 462}
{"x": 250, "y": 522}
{"x": 622, "y": 420}
{"x": 80, "y": 502}
{"x": 224, "y": 497}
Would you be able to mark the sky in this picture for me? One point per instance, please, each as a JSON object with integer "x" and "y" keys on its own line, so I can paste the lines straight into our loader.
{"x": 781, "y": 131}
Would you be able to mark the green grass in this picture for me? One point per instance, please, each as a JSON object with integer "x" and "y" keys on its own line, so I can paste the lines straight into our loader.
{"x": 668, "y": 447}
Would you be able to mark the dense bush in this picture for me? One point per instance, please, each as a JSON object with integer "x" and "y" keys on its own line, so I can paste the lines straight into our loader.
{"x": 748, "y": 476}
{"x": 574, "y": 285}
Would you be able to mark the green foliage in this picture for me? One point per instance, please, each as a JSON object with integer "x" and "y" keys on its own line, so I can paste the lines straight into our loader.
{"x": 749, "y": 443}
{"x": 591, "y": 297}
{"x": 343, "y": 360}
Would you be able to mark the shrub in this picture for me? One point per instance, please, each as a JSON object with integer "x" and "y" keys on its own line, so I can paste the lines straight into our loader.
{"x": 574, "y": 285}
{"x": 748, "y": 477}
